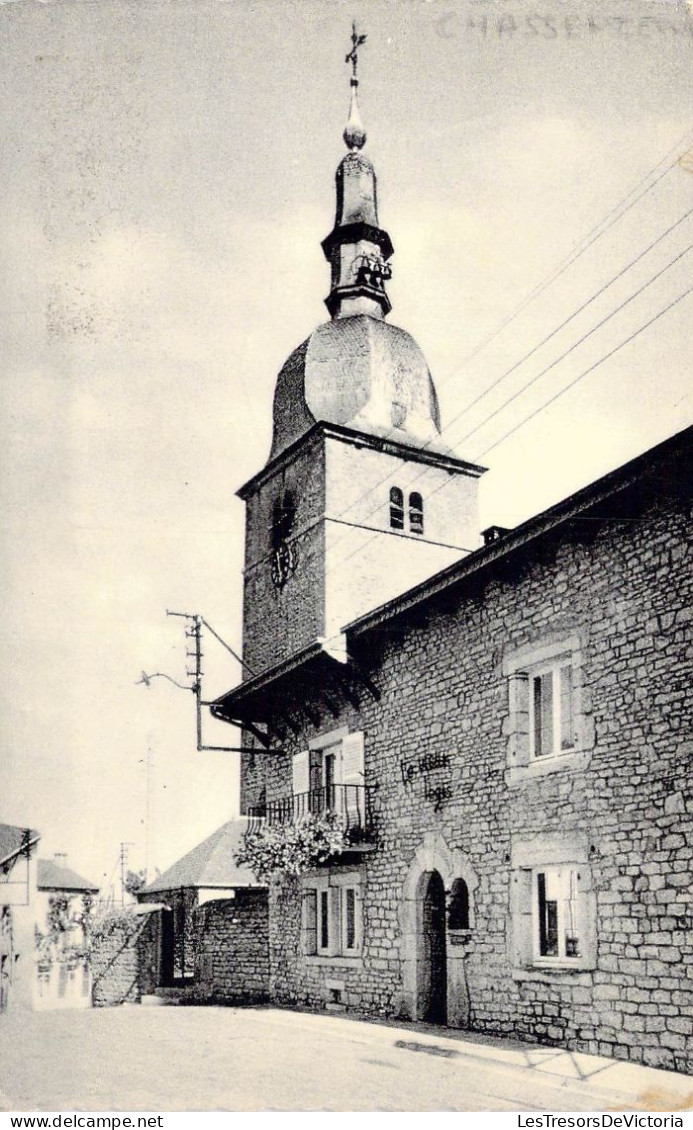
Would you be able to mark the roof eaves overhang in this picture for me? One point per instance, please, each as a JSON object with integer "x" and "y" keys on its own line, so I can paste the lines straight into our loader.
{"x": 72, "y": 890}
{"x": 384, "y": 443}
{"x": 233, "y": 706}
{"x": 609, "y": 486}
{"x": 23, "y": 849}
{"x": 274, "y": 697}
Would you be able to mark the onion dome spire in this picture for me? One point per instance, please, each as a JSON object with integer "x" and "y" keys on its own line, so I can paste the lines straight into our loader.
{"x": 357, "y": 248}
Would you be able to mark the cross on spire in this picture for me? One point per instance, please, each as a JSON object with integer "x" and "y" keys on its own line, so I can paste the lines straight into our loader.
{"x": 353, "y": 56}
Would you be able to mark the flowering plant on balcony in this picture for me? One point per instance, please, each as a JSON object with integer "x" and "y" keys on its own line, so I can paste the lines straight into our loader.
{"x": 289, "y": 849}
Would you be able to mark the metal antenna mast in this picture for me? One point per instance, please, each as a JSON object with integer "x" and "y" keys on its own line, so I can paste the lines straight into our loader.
{"x": 123, "y": 859}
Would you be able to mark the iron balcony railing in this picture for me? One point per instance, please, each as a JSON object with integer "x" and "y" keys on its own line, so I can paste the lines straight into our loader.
{"x": 349, "y": 803}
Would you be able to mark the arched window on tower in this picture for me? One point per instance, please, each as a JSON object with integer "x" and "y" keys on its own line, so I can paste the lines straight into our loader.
{"x": 416, "y": 519}
{"x": 396, "y": 509}
{"x": 283, "y": 515}
{"x": 458, "y": 912}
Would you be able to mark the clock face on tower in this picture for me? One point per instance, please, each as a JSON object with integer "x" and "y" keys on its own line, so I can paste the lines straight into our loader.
{"x": 284, "y": 555}
{"x": 282, "y": 563}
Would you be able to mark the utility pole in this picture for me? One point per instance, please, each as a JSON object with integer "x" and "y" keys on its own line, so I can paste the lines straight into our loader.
{"x": 147, "y": 762}
{"x": 193, "y": 631}
{"x": 125, "y": 844}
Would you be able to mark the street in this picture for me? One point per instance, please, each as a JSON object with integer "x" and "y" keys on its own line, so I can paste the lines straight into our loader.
{"x": 175, "y": 1059}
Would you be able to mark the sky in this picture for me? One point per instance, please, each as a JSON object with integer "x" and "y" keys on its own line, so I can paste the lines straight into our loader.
{"x": 167, "y": 176}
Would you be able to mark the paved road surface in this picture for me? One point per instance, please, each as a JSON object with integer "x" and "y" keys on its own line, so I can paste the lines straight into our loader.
{"x": 172, "y": 1059}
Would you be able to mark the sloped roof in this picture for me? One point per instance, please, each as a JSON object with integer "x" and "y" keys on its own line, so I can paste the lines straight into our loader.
{"x": 13, "y": 839}
{"x": 52, "y": 876}
{"x": 210, "y": 864}
{"x": 664, "y": 467}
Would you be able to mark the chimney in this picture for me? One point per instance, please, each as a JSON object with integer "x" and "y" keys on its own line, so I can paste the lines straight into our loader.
{"x": 494, "y": 533}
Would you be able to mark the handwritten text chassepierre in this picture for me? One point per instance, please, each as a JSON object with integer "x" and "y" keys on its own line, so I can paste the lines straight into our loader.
{"x": 504, "y": 25}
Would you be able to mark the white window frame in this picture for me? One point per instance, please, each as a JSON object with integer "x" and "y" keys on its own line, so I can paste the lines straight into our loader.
{"x": 331, "y": 893}
{"x": 551, "y": 853}
{"x": 521, "y": 665}
{"x": 558, "y": 874}
{"x": 555, "y": 669}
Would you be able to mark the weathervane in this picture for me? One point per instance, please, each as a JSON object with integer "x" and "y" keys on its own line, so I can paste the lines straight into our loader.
{"x": 354, "y": 134}
{"x": 353, "y": 56}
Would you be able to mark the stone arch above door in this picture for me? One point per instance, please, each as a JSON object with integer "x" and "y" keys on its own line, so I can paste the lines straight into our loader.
{"x": 433, "y": 854}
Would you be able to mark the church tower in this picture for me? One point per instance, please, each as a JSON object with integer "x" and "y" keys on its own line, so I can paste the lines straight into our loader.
{"x": 360, "y": 499}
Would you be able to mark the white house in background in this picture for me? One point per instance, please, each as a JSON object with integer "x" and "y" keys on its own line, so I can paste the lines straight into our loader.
{"x": 17, "y": 896}
{"x": 63, "y": 902}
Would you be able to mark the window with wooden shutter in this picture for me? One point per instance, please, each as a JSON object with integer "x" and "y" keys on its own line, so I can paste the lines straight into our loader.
{"x": 552, "y": 720}
{"x": 550, "y": 724}
{"x": 567, "y": 711}
{"x": 300, "y": 780}
{"x": 332, "y": 913}
{"x": 351, "y": 920}
{"x": 310, "y": 921}
{"x": 521, "y": 936}
{"x": 352, "y": 779}
{"x": 553, "y": 911}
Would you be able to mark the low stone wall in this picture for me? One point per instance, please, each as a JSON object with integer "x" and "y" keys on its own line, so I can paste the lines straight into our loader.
{"x": 232, "y": 949}
{"x": 121, "y": 947}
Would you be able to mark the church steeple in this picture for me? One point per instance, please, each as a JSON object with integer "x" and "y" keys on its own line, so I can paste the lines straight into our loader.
{"x": 360, "y": 497}
{"x": 357, "y": 248}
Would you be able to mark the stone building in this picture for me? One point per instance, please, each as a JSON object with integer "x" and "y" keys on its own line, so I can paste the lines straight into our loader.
{"x": 207, "y": 935}
{"x": 503, "y": 731}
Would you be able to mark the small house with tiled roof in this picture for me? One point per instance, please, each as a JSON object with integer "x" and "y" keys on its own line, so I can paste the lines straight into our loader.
{"x": 211, "y": 939}
{"x": 44, "y": 926}
{"x": 62, "y": 909}
{"x": 54, "y": 875}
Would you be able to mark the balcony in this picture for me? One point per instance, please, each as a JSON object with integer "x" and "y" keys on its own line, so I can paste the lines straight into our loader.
{"x": 348, "y": 802}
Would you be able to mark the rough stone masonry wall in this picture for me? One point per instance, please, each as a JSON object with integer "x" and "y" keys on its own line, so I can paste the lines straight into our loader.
{"x": 280, "y": 621}
{"x": 119, "y": 974}
{"x": 625, "y": 586}
{"x": 232, "y": 949}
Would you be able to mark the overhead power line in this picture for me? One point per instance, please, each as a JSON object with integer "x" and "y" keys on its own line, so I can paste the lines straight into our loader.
{"x": 585, "y": 336}
{"x": 574, "y": 314}
{"x": 545, "y": 405}
{"x": 526, "y": 357}
{"x": 585, "y": 372}
{"x": 393, "y": 472}
{"x": 587, "y": 241}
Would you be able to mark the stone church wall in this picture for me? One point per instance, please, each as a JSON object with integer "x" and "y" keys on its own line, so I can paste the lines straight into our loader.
{"x": 279, "y": 621}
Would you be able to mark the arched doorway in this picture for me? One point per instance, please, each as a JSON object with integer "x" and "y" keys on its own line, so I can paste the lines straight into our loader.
{"x": 450, "y": 950}
{"x": 432, "y": 1005}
